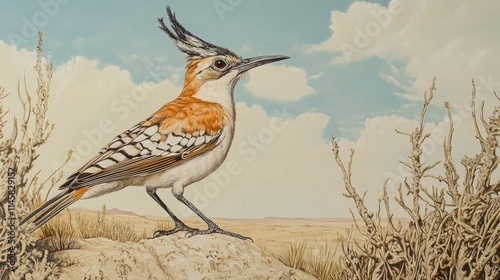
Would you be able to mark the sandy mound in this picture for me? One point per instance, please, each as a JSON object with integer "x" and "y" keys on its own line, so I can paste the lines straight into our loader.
{"x": 172, "y": 257}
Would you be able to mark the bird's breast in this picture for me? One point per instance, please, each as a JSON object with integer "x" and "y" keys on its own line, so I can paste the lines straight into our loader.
{"x": 195, "y": 169}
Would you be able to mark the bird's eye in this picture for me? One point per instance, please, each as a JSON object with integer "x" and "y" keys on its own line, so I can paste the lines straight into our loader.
{"x": 220, "y": 64}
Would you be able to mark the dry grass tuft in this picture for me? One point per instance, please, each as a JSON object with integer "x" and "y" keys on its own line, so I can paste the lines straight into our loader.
{"x": 321, "y": 261}
{"x": 325, "y": 264}
{"x": 457, "y": 233}
{"x": 64, "y": 230}
{"x": 294, "y": 254}
{"x": 164, "y": 224}
{"x": 60, "y": 233}
{"x": 100, "y": 226}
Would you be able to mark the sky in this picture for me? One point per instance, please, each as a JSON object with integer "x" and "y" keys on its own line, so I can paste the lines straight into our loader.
{"x": 358, "y": 71}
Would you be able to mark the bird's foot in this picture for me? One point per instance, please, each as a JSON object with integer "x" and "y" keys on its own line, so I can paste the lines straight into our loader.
{"x": 216, "y": 229}
{"x": 178, "y": 227}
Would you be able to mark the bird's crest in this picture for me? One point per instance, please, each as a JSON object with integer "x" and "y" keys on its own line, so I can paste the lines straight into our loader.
{"x": 188, "y": 43}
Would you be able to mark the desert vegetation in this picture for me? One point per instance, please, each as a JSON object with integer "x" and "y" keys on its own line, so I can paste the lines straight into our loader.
{"x": 20, "y": 184}
{"x": 321, "y": 261}
{"x": 454, "y": 231}
{"x": 64, "y": 230}
{"x": 454, "y": 227}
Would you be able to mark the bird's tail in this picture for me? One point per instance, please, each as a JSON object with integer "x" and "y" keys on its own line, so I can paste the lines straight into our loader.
{"x": 52, "y": 207}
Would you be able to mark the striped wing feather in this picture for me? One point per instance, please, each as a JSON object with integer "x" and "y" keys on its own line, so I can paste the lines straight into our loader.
{"x": 138, "y": 166}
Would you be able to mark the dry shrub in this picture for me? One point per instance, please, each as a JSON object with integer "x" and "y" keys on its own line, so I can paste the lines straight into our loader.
{"x": 37, "y": 267}
{"x": 18, "y": 154}
{"x": 456, "y": 235}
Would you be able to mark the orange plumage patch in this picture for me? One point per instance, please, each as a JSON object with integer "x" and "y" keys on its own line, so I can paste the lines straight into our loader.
{"x": 191, "y": 84}
{"x": 188, "y": 115}
{"x": 80, "y": 192}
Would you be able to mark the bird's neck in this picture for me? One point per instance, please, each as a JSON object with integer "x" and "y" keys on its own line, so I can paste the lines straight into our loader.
{"x": 216, "y": 91}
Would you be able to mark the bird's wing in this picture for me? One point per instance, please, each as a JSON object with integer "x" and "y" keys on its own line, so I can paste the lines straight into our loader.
{"x": 149, "y": 147}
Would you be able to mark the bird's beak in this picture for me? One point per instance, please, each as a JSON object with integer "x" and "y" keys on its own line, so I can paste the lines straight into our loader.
{"x": 253, "y": 62}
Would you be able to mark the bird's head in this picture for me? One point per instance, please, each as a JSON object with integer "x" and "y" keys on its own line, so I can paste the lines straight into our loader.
{"x": 211, "y": 70}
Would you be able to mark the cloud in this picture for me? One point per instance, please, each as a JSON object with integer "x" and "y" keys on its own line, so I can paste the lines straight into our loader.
{"x": 19, "y": 62}
{"x": 244, "y": 50}
{"x": 316, "y": 76}
{"x": 278, "y": 165}
{"x": 357, "y": 31}
{"x": 453, "y": 40}
{"x": 276, "y": 82}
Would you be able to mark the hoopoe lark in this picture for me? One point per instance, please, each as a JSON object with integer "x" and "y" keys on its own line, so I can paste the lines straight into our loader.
{"x": 181, "y": 143}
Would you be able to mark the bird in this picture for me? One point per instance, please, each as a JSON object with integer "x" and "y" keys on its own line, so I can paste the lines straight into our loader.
{"x": 181, "y": 143}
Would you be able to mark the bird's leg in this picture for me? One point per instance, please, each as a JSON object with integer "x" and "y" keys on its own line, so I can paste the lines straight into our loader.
{"x": 179, "y": 225}
{"x": 212, "y": 227}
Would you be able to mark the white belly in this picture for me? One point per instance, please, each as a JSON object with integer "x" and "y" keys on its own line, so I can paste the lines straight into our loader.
{"x": 193, "y": 170}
